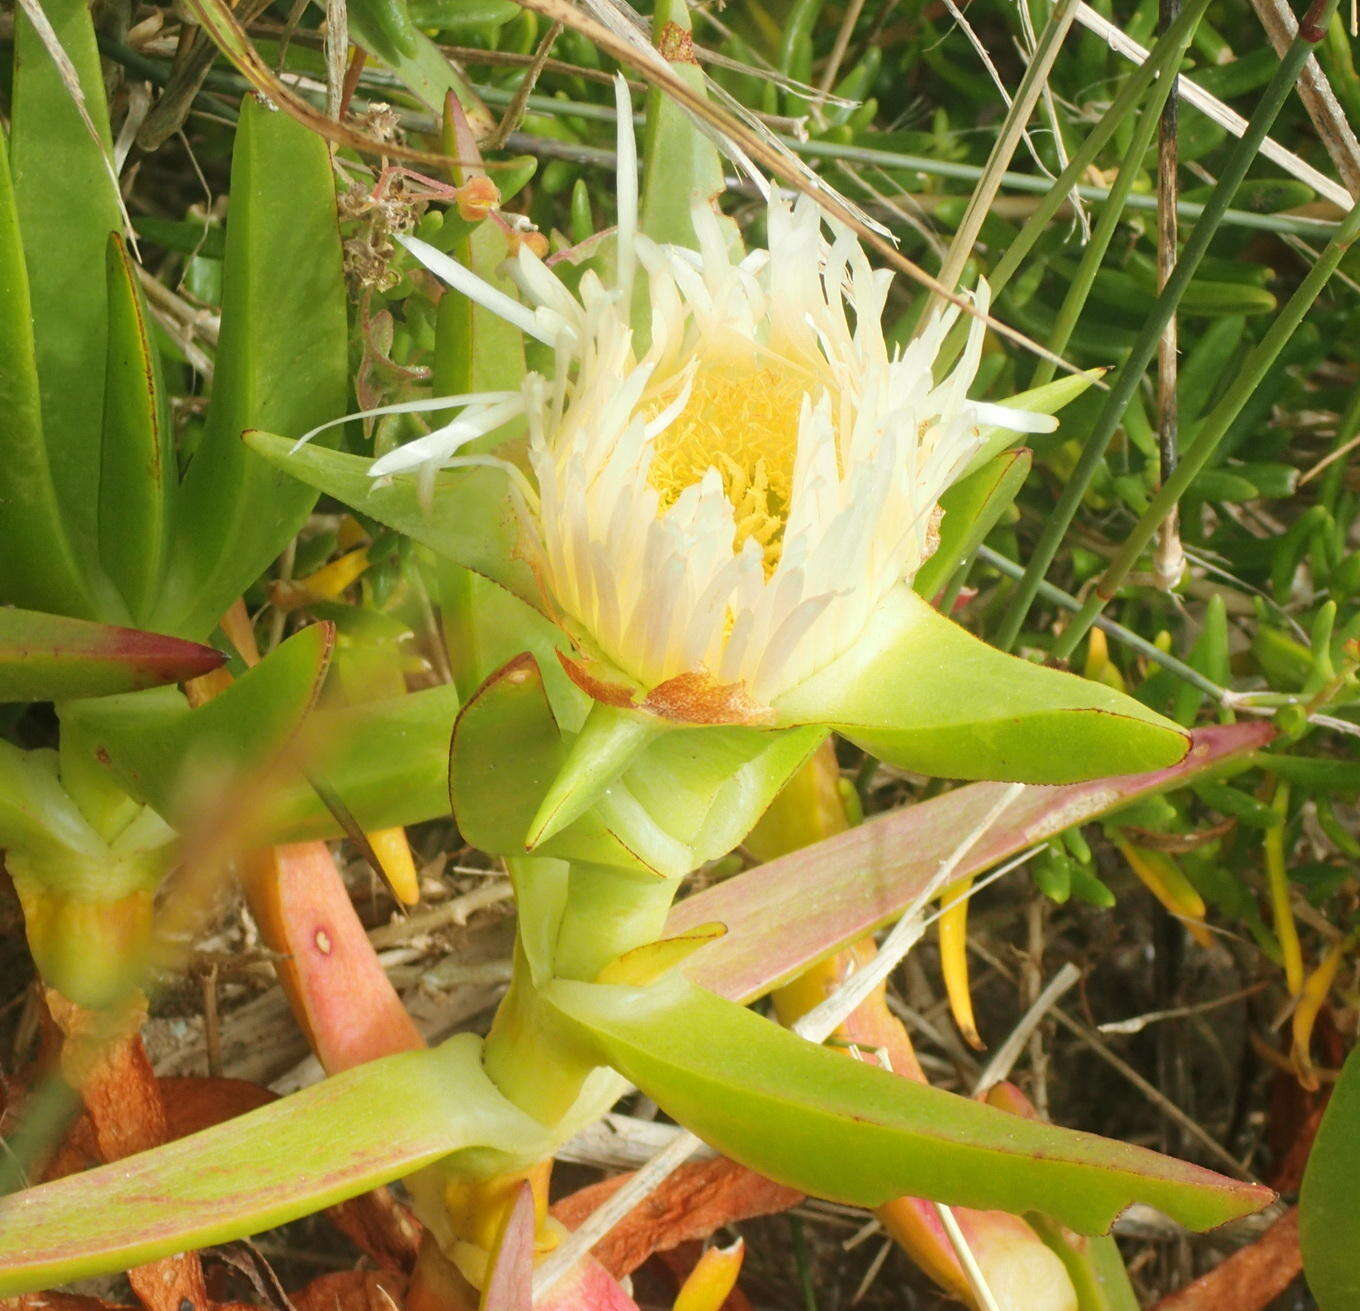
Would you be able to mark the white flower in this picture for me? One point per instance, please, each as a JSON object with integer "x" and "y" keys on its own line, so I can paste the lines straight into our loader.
{"x": 720, "y": 509}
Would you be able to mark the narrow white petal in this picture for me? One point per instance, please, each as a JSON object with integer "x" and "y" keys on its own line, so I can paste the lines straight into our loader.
{"x": 1003, "y": 416}
{"x": 626, "y": 189}
{"x": 463, "y": 279}
{"x": 425, "y": 406}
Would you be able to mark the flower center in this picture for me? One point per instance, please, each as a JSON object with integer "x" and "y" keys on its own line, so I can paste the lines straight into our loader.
{"x": 742, "y": 421}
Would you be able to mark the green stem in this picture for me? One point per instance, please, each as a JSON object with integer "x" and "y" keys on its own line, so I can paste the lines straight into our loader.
{"x": 1124, "y": 636}
{"x": 1243, "y": 153}
{"x": 1094, "y": 254}
{"x": 607, "y": 912}
{"x": 1164, "y": 56}
{"x": 1026, "y": 97}
{"x": 1212, "y": 430}
{"x": 526, "y": 1057}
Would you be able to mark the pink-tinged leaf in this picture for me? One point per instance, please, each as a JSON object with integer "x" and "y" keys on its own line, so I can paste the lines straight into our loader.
{"x": 180, "y": 760}
{"x": 47, "y": 657}
{"x": 510, "y": 1276}
{"x": 588, "y": 1286}
{"x": 860, "y": 879}
{"x": 334, "y": 981}
{"x": 342, "y": 1136}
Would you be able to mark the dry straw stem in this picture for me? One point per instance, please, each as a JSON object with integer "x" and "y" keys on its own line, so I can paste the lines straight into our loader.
{"x": 1244, "y": 151}
{"x": 1194, "y": 94}
{"x": 232, "y": 40}
{"x": 1000, "y": 1066}
{"x": 1012, "y": 129}
{"x": 1316, "y": 93}
{"x": 1159, "y": 1099}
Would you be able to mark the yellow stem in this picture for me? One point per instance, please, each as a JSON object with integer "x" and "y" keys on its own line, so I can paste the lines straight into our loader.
{"x": 1277, "y": 880}
{"x": 1311, "y": 997}
{"x": 953, "y": 931}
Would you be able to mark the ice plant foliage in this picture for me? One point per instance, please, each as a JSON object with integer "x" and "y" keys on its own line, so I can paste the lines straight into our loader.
{"x": 729, "y": 493}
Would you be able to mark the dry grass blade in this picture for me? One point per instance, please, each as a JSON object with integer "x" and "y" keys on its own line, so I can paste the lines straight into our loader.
{"x": 1012, "y": 129}
{"x": 999, "y": 1067}
{"x": 1316, "y": 92}
{"x": 775, "y": 161}
{"x": 614, "y": 1208}
{"x": 1194, "y": 94}
{"x": 823, "y": 1020}
{"x": 515, "y": 110}
{"x": 219, "y": 21}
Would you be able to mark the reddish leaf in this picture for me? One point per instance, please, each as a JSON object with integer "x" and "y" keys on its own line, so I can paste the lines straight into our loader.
{"x": 588, "y": 1286}
{"x": 698, "y": 1198}
{"x": 1248, "y": 1280}
{"x": 193, "y": 1103}
{"x": 381, "y": 1228}
{"x": 328, "y": 968}
{"x": 60, "y": 1302}
{"x": 123, "y": 1102}
{"x": 510, "y": 1275}
{"x": 47, "y": 657}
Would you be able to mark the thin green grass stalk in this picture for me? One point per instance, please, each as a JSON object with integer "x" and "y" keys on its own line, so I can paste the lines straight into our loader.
{"x": 1164, "y": 57}
{"x": 1094, "y": 254}
{"x": 1162, "y": 62}
{"x": 1007, "y": 140}
{"x": 1116, "y": 400}
{"x": 1211, "y": 432}
{"x": 1124, "y": 636}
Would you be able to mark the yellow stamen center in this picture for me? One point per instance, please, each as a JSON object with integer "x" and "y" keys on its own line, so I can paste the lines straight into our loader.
{"x": 743, "y": 422}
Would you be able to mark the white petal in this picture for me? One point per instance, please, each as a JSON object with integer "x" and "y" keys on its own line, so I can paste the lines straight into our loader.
{"x": 1003, "y": 416}
{"x": 463, "y": 279}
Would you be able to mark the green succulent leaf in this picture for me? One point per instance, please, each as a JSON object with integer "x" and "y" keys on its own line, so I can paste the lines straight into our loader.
{"x": 165, "y": 754}
{"x": 37, "y": 566}
{"x": 282, "y": 363}
{"x": 507, "y": 749}
{"x": 384, "y": 27}
{"x": 921, "y": 693}
{"x": 340, "y": 1137}
{"x": 849, "y": 1131}
{"x": 466, "y": 515}
{"x": 970, "y": 509}
{"x": 137, "y": 467}
{"x": 67, "y": 206}
{"x": 37, "y": 814}
{"x": 1048, "y": 399}
{"x": 1329, "y": 1223}
{"x": 474, "y": 349}
{"x": 385, "y": 762}
{"x": 47, "y": 657}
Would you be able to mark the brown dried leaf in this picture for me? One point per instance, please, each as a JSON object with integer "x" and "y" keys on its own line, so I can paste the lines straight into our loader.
{"x": 697, "y": 1199}
{"x": 352, "y": 1290}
